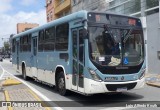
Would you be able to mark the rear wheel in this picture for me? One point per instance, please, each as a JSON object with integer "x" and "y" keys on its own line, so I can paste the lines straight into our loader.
{"x": 61, "y": 87}
{"x": 24, "y": 73}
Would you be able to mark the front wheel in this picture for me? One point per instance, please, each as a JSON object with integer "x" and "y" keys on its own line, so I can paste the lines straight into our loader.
{"x": 61, "y": 87}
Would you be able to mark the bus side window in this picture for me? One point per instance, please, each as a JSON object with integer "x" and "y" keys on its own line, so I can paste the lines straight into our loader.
{"x": 13, "y": 45}
{"x": 62, "y": 32}
{"x": 41, "y": 41}
{"x": 49, "y": 39}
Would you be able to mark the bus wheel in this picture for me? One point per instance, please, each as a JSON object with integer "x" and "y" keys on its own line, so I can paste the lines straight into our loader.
{"x": 61, "y": 87}
{"x": 24, "y": 73}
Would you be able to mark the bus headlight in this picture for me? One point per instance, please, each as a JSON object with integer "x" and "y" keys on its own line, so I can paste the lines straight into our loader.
{"x": 142, "y": 73}
{"x": 94, "y": 75}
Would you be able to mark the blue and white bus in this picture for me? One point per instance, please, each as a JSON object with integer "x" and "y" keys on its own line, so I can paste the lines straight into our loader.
{"x": 85, "y": 52}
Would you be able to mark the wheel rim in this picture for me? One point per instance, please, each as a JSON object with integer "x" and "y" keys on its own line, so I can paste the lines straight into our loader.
{"x": 24, "y": 75}
{"x": 61, "y": 85}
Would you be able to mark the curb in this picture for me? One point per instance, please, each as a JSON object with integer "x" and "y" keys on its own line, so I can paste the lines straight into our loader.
{"x": 11, "y": 81}
{"x": 153, "y": 84}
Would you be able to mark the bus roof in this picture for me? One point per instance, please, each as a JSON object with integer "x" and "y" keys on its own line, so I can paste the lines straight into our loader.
{"x": 80, "y": 14}
{"x": 111, "y": 13}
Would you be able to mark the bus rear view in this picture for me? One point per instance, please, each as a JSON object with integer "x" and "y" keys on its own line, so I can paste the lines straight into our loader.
{"x": 115, "y": 52}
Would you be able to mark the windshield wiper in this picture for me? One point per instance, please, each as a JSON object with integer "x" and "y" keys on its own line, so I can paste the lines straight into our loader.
{"x": 127, "y": 36}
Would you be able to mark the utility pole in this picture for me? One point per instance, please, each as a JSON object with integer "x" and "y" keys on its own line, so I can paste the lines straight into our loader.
{"x": 143, "y": 7}
{"x": 144, "y": 23}
{"x": 159, "y": 12}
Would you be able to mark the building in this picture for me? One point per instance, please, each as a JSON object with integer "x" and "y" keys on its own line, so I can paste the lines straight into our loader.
{"x": 21, "y": 27}
{"x": 57, "y": 8}
{"x": 89, "y": 5}
{"x": 50, "y": 10}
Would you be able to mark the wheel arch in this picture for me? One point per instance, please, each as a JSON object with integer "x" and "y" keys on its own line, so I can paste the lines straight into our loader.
{"x": 58, "y": 69}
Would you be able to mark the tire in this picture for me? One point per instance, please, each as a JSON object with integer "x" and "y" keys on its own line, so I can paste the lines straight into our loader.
{"x": 61, "y": 87}
{"x": 24, "y": 74}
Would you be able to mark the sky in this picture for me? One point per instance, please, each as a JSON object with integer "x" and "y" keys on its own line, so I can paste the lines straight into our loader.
{"x": 19, "y": 11}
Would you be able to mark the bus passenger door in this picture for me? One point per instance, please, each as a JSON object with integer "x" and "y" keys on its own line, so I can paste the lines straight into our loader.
{"x": 77, "y": 60}
{"x": 17, "y": 47}
{"x": 34, "y": 57}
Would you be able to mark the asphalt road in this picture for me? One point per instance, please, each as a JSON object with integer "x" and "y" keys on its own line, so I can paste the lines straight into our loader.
{"x": 94, "y": 102}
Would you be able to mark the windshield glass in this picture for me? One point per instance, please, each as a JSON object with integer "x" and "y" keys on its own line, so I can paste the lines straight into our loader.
{"x": 116, "y": 47}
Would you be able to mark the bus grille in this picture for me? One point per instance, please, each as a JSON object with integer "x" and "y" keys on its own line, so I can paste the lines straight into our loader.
{"x": 113, "y": 87}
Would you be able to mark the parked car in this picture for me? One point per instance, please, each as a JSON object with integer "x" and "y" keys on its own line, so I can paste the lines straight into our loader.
{"x": 10, "y": 59}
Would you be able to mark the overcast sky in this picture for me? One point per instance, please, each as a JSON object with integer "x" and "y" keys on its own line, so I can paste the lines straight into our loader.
{"x": 19, "y": 11}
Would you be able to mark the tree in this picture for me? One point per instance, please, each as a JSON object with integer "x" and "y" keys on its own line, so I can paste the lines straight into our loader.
{"x": 6, "y": 48}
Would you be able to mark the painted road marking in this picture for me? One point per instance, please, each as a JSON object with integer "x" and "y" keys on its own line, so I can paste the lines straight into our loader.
{"x": 116, "y": 108}
{"x": 38, "y": 99}
{"x": 7, "y": 99}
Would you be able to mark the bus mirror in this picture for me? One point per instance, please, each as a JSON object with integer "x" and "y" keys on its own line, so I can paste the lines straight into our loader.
{"x": 85, "y": 33}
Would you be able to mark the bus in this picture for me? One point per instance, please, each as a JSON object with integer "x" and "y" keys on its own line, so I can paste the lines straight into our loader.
{"x": 85, "y": 52}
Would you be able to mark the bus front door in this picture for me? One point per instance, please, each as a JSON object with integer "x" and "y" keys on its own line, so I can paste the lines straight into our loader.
{"x": 77, "y": 60}
{"x": 34, "y": 57}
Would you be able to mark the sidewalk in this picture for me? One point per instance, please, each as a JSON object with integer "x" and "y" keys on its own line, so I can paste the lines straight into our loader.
{"x": 18, "y": 96}
{"x": 153, "y": 80}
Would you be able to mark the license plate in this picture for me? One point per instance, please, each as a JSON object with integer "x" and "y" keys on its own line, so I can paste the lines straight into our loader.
{"x": 121, "y": 89}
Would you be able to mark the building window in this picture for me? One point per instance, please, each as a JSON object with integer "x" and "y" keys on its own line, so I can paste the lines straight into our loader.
{"x": 62, "y": 32}
{"x": 27, "y": 29}
{"x": 61, "y": 1}
{"x": 48, "y": 17}
{"x": 151, "y": 3}
{"x": 125, "y": 7}
{"x": 49, "y": 2}
{"x": 51, "y": 14}
{"x": 76, "y": 2}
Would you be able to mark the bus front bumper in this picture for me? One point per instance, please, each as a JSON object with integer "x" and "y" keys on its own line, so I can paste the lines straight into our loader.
{"x": 93, "y": 87}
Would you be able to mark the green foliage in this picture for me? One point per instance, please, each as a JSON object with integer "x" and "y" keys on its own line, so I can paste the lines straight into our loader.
{"x": 6, "y": 45}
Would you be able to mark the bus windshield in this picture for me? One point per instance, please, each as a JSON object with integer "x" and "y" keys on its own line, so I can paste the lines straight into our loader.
{"x": 116, "y": 46}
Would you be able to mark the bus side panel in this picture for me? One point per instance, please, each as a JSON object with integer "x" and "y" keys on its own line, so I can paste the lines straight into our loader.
{"x": 47, "y": 63}
{"x": 26, "y": 59}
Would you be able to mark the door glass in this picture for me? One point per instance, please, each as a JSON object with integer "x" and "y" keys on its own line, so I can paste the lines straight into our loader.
{"x": 75, "y": 65}
{"x": 74, "y": 44}
{"x": 81, "y": 46}
{"x": 81, "y": 58}
{"x": 81, "y": 77}
{"x": 78, "y": 58}
{"x": 75, "y": 70}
